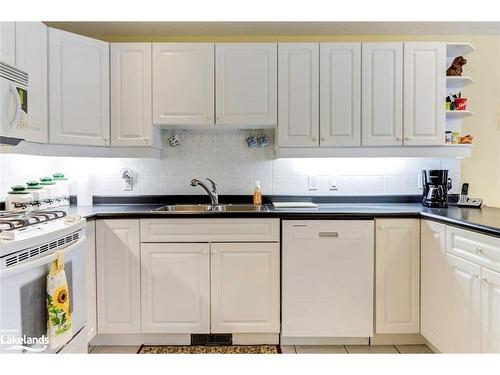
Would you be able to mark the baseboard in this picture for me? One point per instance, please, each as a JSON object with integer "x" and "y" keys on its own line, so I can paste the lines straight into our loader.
{"x": 325, "y": 340}
{"x": 256, "y": 338}
{"x": 398, "y": 339}
{"x": 143, "y": 339}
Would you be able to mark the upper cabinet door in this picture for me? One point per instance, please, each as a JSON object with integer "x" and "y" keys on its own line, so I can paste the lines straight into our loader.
{"x": 183, "y": 83}
{"x": 340, "y": 106}
{"x": 382, "y": 94}
{"x": 246, "y": 84}
{"x": 131, "y": 94}
{"x": 298, "y": 94}
{"x": 424, "y": 94}
{"x": 8, "y": 42}
{"x": 31, "y": 56}
{"x": 79, "y": 89}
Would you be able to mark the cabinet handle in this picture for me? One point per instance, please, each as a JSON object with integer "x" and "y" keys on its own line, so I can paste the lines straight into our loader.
{"x": 328, "y": 234}
{"x": 407, "y": 139}
{"x": 436, "y": 235}
{"x": 322, "y": 139}
{"x": 484, "y": 279}
{"x": 214, "y": 251}
{"x": 313, "y": 139}
{"x": 398, "y": 138}
{"x": 204, "y": 252}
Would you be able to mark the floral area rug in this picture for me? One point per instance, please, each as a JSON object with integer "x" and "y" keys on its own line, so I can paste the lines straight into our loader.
{"x": 202, "y": 349}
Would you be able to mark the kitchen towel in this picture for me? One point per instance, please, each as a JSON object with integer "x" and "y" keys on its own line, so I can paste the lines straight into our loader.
{"x": 59, "y": 330}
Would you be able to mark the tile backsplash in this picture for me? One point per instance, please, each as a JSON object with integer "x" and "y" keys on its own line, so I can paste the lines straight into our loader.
{"x": 225, "y": 157}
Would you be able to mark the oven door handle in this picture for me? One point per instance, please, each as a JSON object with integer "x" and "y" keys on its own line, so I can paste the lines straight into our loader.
{"x": 40, "y": 261}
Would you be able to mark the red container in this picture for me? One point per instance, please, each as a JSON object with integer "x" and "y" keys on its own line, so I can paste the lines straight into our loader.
{"x": 460, "y": 104}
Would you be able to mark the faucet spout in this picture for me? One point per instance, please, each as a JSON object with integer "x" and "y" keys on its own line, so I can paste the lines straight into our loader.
{"x": 212, "y": 193}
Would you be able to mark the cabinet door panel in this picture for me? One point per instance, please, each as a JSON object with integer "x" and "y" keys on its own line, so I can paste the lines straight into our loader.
{"x": 118, "y": 276}
{"x": 8, "y": 42}
{"x": 397, "y": 276}
{"x": 175, "y": 285}
{"x": 131, "y": 123}
{"x": 31, "y": 56}
{"x": 463, "y": 319}
{"x": 79, "y": 89}
{"x": 424, "y": 94}
{"x": 490, "y": 311}
{"x": 382, "y": 91}
{"x": 245, "y": 287}
{"x": 298, "y": 99}
{"x": 246, "y": 84}
{"x": 183, "y": 83}
{"x": 434, "y": 309}
{"x": 340, "y": 115}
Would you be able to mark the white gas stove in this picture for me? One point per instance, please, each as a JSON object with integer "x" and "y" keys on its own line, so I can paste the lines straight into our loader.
{"x": 48, "y": 230}
{"x": 29, "y": 243}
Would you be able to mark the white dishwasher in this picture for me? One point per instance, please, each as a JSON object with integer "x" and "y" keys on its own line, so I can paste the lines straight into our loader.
{"x": 327, "y": 279}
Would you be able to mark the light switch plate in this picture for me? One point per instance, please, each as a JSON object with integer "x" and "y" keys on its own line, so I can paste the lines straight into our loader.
{"x": 313, "y": 183}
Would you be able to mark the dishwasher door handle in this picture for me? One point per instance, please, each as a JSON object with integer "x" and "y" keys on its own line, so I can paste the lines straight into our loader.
{"x": 328, "y": 234}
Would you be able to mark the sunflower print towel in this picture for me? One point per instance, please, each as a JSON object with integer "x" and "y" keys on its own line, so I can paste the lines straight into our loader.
{"x": 59, "y": 330}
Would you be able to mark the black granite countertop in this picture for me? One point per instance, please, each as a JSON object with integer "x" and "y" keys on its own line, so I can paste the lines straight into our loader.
{"x": 485, "y": 220}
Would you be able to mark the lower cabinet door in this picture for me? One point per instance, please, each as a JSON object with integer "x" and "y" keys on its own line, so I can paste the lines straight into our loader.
{"x": 175, "y": 288}
{"x": 433, "y": 268}
{"x": 397, "y": 276}
{"x": 490, "y": 310}
{"x": 463, "y": 321}
{"x": 245, "y": 287}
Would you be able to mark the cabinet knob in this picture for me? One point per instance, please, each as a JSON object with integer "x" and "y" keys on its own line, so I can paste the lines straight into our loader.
{"x": 407, "y": 138}
{"x": 381, "y": 227}
{"x": 146, "y": 138}
{"x": 322, "y": 139}
{"x": 214, "y": 251}
{"x": 204, "y": 252}
{"x": 398, "y": 138}
{"x": 484, "y": 279}
{"x": 436, "y": 235}
{"x": 478, "y": 250}
{"x": 313, "y": 139}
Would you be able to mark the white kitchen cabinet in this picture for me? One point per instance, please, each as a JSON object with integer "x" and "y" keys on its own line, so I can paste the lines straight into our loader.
{"x": 31, "y": 57}
{"x": 340, "y": 94}
{"x": 382, "y": 94}
{"x": 490, "y": 311}
{"x": 463, "y": 300}
{"x": 79, "y": 89}
{"x": 424, "y": 115}
{"x": 118, "y": 276}
{"x": 8, "y": 42}
{"x": 246, "y": 84}
{"x": 183, "y": 83}
{"x": 175, "y": 287}
{"x": 131, "y": 122}
{"x": 91, "y": 287}
{"x": 397, "y": 276}
{"x": 327, "y": 279}
{"x": 245, "y": 287}
{"x": 298, "y": 94}
{"x": 434, "y": 270}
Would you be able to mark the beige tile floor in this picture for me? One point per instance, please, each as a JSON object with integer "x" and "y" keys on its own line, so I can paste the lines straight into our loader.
{"x": 298, "y": 349}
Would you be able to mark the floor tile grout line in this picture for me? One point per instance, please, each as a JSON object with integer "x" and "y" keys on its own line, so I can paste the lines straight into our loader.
{"x": 395, "y": 347}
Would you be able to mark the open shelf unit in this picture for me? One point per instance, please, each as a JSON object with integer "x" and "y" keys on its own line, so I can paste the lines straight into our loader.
{"x": 453, "y": 85}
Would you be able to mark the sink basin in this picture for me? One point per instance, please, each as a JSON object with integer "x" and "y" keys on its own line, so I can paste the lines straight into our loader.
{"x": 212, "y": 208}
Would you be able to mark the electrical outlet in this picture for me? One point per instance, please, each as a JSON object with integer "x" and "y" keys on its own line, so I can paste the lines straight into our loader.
{"x": 313, "y": 183}
{"x": 127, "y": 183}
{"x": 332, "y": 183}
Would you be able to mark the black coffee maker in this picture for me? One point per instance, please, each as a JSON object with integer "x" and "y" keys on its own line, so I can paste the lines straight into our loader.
{"x": 436, "y": 185}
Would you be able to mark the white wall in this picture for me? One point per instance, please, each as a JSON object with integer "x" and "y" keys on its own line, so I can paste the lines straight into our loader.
{"x": 225, "y": 157}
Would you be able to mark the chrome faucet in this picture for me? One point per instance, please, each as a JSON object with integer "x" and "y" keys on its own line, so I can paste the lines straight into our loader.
{"x": 212, "y": 193}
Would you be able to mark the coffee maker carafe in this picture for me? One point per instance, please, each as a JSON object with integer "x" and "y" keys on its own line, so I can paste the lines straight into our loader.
{"x": 436, "y": 185}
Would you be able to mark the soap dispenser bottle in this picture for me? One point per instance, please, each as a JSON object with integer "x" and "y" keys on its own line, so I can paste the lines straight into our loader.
{"x": 257, "y": 194}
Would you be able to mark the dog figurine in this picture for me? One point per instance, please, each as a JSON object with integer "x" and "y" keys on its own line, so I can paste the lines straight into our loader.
{"x": 455, "y": 70}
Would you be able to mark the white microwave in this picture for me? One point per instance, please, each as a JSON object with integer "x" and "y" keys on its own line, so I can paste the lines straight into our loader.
{"x": 13, "y": 103}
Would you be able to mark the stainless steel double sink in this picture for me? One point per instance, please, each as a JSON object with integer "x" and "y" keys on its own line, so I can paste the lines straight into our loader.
{"x": 212, "y": 208}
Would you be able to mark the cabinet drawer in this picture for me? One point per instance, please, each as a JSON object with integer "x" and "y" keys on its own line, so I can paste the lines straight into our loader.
{"x": 479, "y": 248}
{"x": 209, "y": 230}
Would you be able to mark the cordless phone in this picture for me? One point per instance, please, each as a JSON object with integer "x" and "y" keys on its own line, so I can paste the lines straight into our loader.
{"x": 465, "y": 201}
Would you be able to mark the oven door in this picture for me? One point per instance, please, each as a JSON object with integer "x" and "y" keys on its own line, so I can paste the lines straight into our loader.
{"x": 23, "y": 314}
